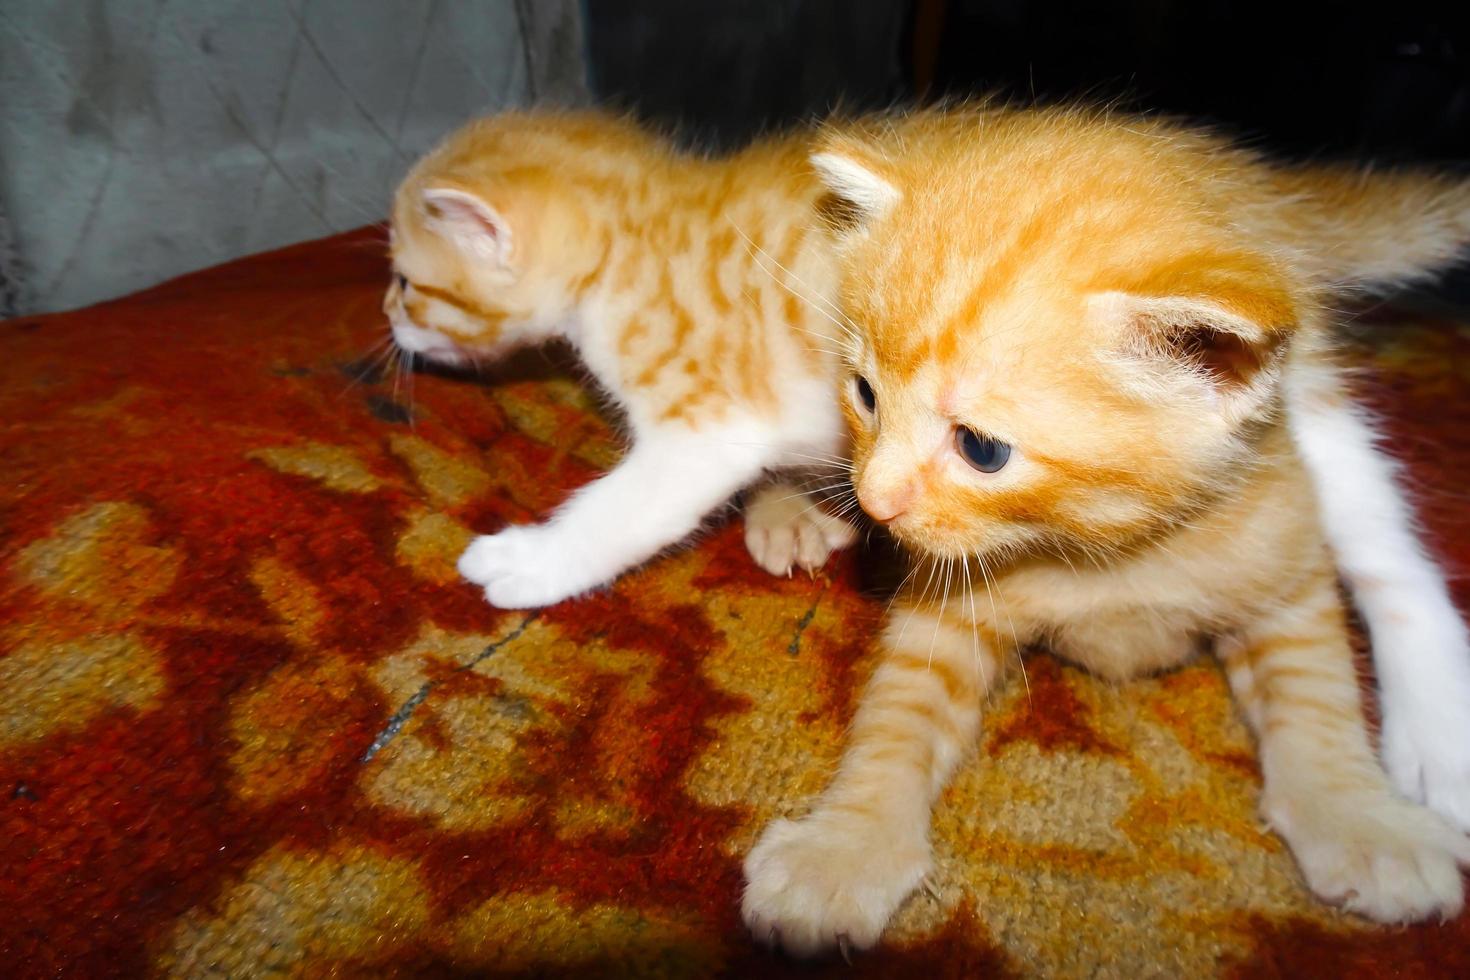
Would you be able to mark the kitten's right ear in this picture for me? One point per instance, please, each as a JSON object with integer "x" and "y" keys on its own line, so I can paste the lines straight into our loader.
{"x": 467, "y": 221}
{"x": 856, "y": 177}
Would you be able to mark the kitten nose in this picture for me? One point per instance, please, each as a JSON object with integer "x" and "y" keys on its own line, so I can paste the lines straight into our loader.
{"x": 888, "y": 504}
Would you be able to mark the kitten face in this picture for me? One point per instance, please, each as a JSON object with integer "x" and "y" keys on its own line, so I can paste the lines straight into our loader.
{"x": 484, "y": 257}
{"x": 436, "y": 324}
{"x": 459, "y": 291}
{"x": 1074, "y": 368}
{"x": 978, "y": 442}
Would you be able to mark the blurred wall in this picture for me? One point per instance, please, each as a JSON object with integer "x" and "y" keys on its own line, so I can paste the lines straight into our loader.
{"x": 140, "y": 139}
{"x": 721, "y": 71}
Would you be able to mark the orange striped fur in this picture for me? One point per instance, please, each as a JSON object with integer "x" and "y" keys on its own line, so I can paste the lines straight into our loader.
{"x": 698, "y": 292}
{"x": 1124, "y": 303}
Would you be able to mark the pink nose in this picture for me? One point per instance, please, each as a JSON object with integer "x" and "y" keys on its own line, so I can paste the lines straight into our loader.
{"x": 887, "y": 505}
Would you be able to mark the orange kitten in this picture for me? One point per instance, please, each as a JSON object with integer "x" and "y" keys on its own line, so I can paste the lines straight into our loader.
{"x": 1079, "y": 339}
{"x": 675, "y": 278}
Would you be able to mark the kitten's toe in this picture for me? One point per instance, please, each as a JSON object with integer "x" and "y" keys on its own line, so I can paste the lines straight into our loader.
{"x": 517, "y": 594}
{"x": 484, "y": 560}
{"x": 524, "y": 568}
{"x": 1376, "y": 855}
{"x": 1428, "y": 758}
{"x": 820, "y": 884}
{"x": 783, "y": 532}
{"x": 773, "y": 548}
{"x": 811, "y": 546}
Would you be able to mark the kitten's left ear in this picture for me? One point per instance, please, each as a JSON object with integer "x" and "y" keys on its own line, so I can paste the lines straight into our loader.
{"x": 1202, "y": 342}
{"x": 857, "y": 178}
{"x": 467, "y": 221}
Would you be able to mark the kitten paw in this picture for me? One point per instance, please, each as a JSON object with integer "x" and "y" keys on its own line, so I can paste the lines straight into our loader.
{"x": 1429, "y": 761}
{"x": 785, "y": 529}
{"x": 816, "y": 885}
{"x": 1376, "y": 855}
{"x": 522, "y": 568}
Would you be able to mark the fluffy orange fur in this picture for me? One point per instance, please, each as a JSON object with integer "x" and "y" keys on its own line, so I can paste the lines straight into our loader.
{"x": 1127, "y": 306}
{"x": 692, "y": 248}
{"x": 676, "y": 277}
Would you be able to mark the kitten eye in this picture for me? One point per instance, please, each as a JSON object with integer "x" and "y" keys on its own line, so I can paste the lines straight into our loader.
{"x": 402, "y": 281}
{"x": 865, "y": 394}
{"x": 982, "y": 452}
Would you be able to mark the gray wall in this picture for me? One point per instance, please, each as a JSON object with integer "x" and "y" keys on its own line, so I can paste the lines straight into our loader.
{"x": 140, "y": 139}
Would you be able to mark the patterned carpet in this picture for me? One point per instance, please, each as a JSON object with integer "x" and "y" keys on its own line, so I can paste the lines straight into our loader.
{"x": 250, "y": 722}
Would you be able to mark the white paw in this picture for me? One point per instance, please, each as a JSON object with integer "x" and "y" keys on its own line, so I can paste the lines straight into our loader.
{"x": 523, "y": 568}
{"x": 1374, "y": 854}
{"x": 1428, "y": 758}
{"x": 786, "y": 529}
{"x": 820, "y": 883}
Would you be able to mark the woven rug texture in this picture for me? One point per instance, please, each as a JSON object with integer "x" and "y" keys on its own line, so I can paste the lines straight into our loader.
{"x": 251, "y": 723}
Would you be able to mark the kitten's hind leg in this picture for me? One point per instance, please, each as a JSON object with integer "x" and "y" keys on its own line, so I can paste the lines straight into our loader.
{"x": 655, "y": 497}
{"x": 786, "y": 528}
{"x": 1421, "y": 649}
{"x": 1356, "y": 842}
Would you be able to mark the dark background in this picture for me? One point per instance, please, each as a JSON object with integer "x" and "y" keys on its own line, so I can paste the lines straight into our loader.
{"x": 1388, "y": 82}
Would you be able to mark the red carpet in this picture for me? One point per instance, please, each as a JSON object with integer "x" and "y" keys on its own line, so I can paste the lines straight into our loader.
{"x": 251, "y": 723}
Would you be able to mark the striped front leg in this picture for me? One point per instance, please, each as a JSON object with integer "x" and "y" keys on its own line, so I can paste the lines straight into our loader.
{"x": 1356, "y": 842}
{"x": 835, "y": 877}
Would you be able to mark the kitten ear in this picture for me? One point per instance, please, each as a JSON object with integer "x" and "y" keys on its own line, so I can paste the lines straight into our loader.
{"x": 1200, "y": 341}
{"x": 468, "y": 222}
{"x": 855, "y": 178}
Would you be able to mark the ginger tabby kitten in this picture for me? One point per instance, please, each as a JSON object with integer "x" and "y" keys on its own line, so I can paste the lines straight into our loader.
{"x": 675, "y": 277}
{"x": 1076, "y": 341}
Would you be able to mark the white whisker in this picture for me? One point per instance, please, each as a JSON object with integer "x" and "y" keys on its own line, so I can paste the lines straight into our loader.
{"x": 412, "y": 415}
{"x": 933, "y": 568}
{"x": 975, "y": 628}
{"x": 827, "y": 309}
{"x": 809, "y": 492}
{"x": 1015, "y": 640}
{"x": 371, "y": 362}
{"x": 943, "y": 603}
